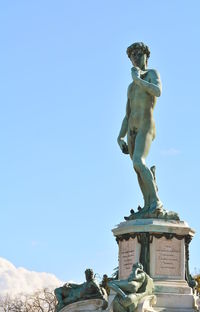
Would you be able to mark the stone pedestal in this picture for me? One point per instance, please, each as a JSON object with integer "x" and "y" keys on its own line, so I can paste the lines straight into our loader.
{"x": 84, "y": 306}
{"x": 145, "y": 305}
{"x": 163, "y": 249}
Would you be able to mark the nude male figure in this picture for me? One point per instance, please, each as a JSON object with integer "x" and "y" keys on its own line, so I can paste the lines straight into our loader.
{"x": 138, "y": 123}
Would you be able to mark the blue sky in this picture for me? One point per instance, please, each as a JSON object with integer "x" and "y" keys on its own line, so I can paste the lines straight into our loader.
{"x": 64, "y": 183}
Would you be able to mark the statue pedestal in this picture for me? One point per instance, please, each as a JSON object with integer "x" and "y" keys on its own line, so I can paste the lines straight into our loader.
{"x": 84, "y": 306}
{"x": 163, "y": 249}
{"x": 145, "y": 304}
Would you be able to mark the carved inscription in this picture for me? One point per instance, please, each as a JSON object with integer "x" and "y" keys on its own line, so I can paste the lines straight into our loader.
{"x": 127, "y": 252}
{"x": 168, "y": 257}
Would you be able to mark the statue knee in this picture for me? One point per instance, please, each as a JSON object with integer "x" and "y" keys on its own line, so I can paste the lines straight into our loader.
{"x": 137, "y": 164}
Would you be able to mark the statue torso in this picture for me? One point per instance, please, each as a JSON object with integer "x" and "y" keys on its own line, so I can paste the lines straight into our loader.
{"x": 141, "y": 106}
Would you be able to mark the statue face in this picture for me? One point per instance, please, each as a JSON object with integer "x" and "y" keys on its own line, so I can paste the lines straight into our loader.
{"x": 138, "y": 58}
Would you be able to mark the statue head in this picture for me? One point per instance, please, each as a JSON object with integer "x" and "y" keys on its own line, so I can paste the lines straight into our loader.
{"x": 136, "y": 269}
{"x": 137, "y": 265}
{"x": 89, "y": 275}
{"x": 138, "y": 53}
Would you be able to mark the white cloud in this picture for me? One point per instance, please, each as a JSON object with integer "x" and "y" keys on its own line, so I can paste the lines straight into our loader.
{"x": 170, "y": 152}
{"x": 20, "y": 280}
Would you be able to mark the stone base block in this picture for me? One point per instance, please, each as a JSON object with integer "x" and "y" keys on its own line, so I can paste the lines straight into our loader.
{"x": 172, "y": 287}
{"x": 174, "y": 296}
{"x": 84, "y": 306}
{"x": 175, "y": 301}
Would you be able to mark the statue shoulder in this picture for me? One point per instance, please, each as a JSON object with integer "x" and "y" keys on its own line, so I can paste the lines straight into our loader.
{"x": 129, "y": 88}
{"x": 153, "y": 73}
{"x": 153, "y": 76}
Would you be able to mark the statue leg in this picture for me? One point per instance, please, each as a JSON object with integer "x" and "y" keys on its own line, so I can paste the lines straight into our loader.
{"x": 141, "y": 149}
{"x": 131, "y": 146}
{"x": 145, "y": 192}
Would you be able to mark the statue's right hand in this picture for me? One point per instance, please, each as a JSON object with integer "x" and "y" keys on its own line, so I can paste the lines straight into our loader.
{"x": 123, "y": 146}
{"x": 135, "y": 73}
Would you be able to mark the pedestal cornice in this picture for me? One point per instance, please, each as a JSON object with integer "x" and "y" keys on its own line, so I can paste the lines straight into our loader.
{"x": 178, "y": 228}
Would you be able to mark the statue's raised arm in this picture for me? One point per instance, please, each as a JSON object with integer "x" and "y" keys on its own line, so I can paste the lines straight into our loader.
{"x": 153, "y": 87}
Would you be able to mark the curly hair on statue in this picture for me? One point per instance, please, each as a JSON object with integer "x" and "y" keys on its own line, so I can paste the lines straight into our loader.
{"x": 138, "y": 46}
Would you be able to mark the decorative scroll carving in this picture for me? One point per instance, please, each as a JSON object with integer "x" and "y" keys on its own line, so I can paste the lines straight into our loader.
{"x": 151, "y": 235}
{"x": 188, "y": 276}
{"x": 126, "y": 236}
{"x": 144, "y": 240}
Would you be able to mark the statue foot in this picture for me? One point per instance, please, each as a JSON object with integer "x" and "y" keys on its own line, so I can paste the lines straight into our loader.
{"x": 156, "y": 210}
{"x": 156, "y": 206}
{"x": 145, "y": 208}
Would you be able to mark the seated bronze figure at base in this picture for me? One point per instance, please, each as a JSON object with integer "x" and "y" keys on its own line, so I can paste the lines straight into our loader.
{"x": 131, "y": 290}
{"x": 71, "y": 292}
